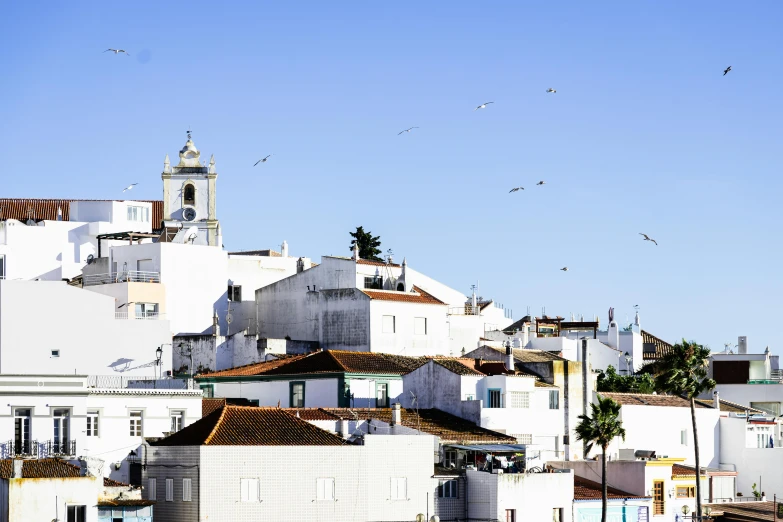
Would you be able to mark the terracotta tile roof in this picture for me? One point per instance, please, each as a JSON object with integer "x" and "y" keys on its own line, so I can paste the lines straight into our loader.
{"x": 374, "y": 263}
{"x": 449, "y": 428}
{"x": 128, "y": 502}
{"x": 653, "y": 348}
{"x": 517, "y": 325}
{"x": 209, "y": 405}
{"x": 678, "y": 470}
{"x": 347, "y": 361}
{"x": 40, "y": 468}
{"x": 420, "y": 297}
{"x": 252, "y": 369}
{"x": 749, "y": 511}
{"x": 728, "y": 406}
{"x": 250, "y": 426}
{"x": 111, "y": 483}
{"x": 313, "y": 414}
{"x": 588, "y": 490}
{"x": 46, "y": 209}
{"x": 264, "y": 253}
{"x": 523, "y": 355}
{"x": 458, "y": 366}
{"x": 641, "y": 399}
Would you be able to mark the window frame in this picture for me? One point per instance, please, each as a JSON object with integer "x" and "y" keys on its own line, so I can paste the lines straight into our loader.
{"x": 207, "y": 391}
{"x": 93, "y": 423}
{"x": 556, "y": 395}
{"x": 2, "y": 266}
{"x": 511, "y": 515}
{"x": 169, "y": 490}
{"x": 490, "y": 391}
{"x": 291, "y": 386}
{"x": 690, "y": 492}
{"x": 326, "y": 481}
{"x": 187, "y": 490}
{"x": 173, "y": 414}
{"x": 79, "y": 513}
{"x": 385, "y": 402}
{"x": 448, "y": 488}
{"x": 257, "y": 488}
{"x": 234, "y": 293}
{"x": 395, "y": 483}
{"x": 139, "y": 431}
{"x": 384, "y": 326}
{"x": 416, "y": 324}
{"x": 189, "y": 200}
{"x": 152, "y": 488}
{"x": 659, "y": 498}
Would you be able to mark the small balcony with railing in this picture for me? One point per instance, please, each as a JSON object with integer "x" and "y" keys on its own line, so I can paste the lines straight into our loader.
{"x": 126, "y": 276}
{"x": 38, "y": 449}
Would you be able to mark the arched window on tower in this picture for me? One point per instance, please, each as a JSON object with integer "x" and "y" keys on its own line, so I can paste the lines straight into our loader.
{"x": 189, "y": 195}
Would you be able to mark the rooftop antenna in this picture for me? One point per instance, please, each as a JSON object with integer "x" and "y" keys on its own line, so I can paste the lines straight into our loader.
{"x": 189, "y": 137}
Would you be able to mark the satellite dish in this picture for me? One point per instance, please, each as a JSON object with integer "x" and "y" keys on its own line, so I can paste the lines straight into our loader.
{"x": 90, "y": 259}
{"x": 191, "y": 234}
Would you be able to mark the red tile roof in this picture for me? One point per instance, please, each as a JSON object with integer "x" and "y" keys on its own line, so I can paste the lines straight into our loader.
{"x": 40, "y": 468}
{"x": 128, "y": 502}
{"x": 252, "y": 369}
{"x": 748, "y": 511}
{"x": 585, "y": 489}
{"x": 458, "y": 366}
{"x": 250, "y": 426}
{"x": 642, "y": 399}
{"x": 313, "y": 414}
{"x": 46, "y": 209}
{"x": 678, "y": 470}
{"x": 420, "y": 296}
{"x": 111, "y": 483}
{"x": 208, "y": 405}
{"x": 524, "y": 355}
{"x": 728, "y": 406}
{"x": 262, "y": 253}
{"x": 653, "y": 348}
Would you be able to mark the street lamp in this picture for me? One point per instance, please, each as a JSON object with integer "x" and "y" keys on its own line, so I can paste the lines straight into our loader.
{"x": 628, "y": 363}
{"x": 158, "y": 357}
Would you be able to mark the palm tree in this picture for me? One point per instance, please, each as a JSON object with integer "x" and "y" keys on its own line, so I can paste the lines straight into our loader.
{"x": 601, "y": 428}
{"x": 683, "y": 372}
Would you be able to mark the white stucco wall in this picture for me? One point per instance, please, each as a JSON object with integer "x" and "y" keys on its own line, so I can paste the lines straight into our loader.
{"x": 47, "y": 498}
{"x": 745, "y": 394}
{"x": 753, "y": 465}
{"x": 81, "y": 325}
{"x": 404, "y": 341}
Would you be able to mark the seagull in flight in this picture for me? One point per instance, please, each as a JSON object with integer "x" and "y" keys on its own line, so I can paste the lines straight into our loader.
{"x": 541, "y": 183}
{"x": 551, "y": 90}
{"x": 515, "y": 189}
{"x": 129, "y": 187}
{"x": 263, "y": 160}
{"x": 648, "y": 238}
{"x": 406, "y": 130}
{"x": 564, "y": 269}
{"x": 728, "y": 69}
{"x": 482, "y": 106}
{"x": 117, "y": 51}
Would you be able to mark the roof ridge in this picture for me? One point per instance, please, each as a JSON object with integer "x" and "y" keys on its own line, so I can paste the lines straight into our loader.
{"x": 335, "y": 359}
{"x": 212, "y": 433}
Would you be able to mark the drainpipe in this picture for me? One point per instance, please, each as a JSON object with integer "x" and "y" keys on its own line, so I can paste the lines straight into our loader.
{"x": 584, "y": 390}
{"x": 566, "y": 411}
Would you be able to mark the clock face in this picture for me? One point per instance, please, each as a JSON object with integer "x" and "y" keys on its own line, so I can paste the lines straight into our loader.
{"x": 189, "y": 214}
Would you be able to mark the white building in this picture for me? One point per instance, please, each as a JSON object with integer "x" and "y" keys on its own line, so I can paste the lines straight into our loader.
{"x": 82, "y": 332}
{"x": 219, "y": 470}
{"x": 104, "y": 416}
{"x": 621, "y": 505}
{"x": 751, "y": 446}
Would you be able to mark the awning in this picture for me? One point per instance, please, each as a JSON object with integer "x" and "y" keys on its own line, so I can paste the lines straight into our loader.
{"x": 492, "y": 448}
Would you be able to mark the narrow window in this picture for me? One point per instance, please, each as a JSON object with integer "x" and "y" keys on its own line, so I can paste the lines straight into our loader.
{"x": 189, "y": 195}
{"x": 493, "y": 399}
{"x": 22, "y": 437}
{"x": 186, "y": 493}
{"x": 234, "y": 293}
{"x": 684, "y": 437}
{"x": 557, "y": 515}
{"x": 62, "y": 425}
{"x": 659, "y": 504}
{"x": 420, "y": 326}
{"x": 92, "y": 423}
{"x": 248, "y": 490}
{"x": 554, "y": 399}
{"x": 381, "y": 395}
{"x": 2, "y": 267}
{"x": 76, "y": 513}
{"x": 208, "y": 391}
{"x": 297, "y": 399}
{"x": 450, "y": 459}
{"x": 448, "y": 489}
{"x": 135, "y": 423}
{"x": 388, "y": 324}
{"x": 176, "y": 420}
{"x": 152, "y": 489}
{"x": 511, "y": 515}
{"x": 169, "y": 490}
{"x": 325, "y": 489}
{"x": 399, "y": 488}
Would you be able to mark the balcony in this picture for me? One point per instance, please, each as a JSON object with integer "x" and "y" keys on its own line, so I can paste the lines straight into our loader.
{"x": 38, "y": 449}
{"x": 149, "y": 316}
{"x": 128, "y": 276}
{"x": 137, "y": 383}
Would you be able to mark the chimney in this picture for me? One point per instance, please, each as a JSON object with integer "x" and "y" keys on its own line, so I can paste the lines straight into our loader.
{"x": 637, "y": 322}
{"x": 742, "y": 341}
{"x": 17, "y": 472}
{"x": 716, "y": 401}
{"x": 509, "y": 357}
{"x": 284, "y": 248}
{"x": 396, "y": 415}
{"x": 345, "y": 430}
{"x": 356, "y": 251}
{"x": 612, "y": 332}
{"x": 525, "y": 335}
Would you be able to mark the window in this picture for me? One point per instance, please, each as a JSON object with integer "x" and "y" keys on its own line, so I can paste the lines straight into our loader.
{"x": 169, "y": 490}
{"x": 208, "y": 391}
{"x": 493, "y": 399}
{"x": 325, "y": 489}
{"x": 248, "y": 490}
{"x": 659, "y": 505}
{"x": 554, "y": 399}
{"x": 55, "y": 353}
{"x": 176, "y": 420}
{"x": 448, "y": 489}
{"x": 399, "y": 488}
{"x": 146, "y": 310}
{"x": 511, "y": 515}
{"x": 92, "y": 423}
{"x": 375, "y": 283}
{"x": 772, "y": 408}
{"x": 557, "y": 515}
{"x": 470, "y": 397}
{"x": 686, "y": 491}
{"x": 381, "y": 395}
{"x": 420, "y": 326}
{"x": 297, "y": 395}
{"x": 450, "y": 459}
{"x": 2, "y": 267}
{"x": 76, "y": 513}
{"x": 152, "y": 489}
{"x": 22, "y": 432}
{"x": 60, "y": 443}
{"x": 519, "y": 399}
{"x": 141, "y": 214}
{"x": 135, "y": 423}
{"x": 684, "y": 437}
{"x": 234, "y": 293}
{"x": 524, "y": 438}
{"x": 189, "y": 194}
{"x": 388, "y": 324}
{"x": 186, "y": 490}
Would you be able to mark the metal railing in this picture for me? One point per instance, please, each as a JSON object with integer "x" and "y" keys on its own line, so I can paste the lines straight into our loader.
{"x": 57, "y": 448}
{"x": 764, "y": 381}
{"x": 149, "y": 316}
{"x": 128, "y": 276}
{"x": 137, "y": 382}
{"x": 38, "y": 449}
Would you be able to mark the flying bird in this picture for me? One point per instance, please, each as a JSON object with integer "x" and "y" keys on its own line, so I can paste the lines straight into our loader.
{"x": 515, "y": 189}
{"x": 406, "y": 130}
{"x": 541, "y": 183}
{"x": 648, "y": 238}
{"x": 727, "y": 70}
{"x": 564, "y": 269}
{"x": 551, "y": 90}
{"x": 117, "y": 51}
{"x": 129, "y": 186}
{"x": 263, "y": 160}
{"x": 482, "y": 106}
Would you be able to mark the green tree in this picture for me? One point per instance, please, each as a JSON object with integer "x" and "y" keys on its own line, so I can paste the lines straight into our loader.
{"x": 368, "y": 244}
{"x": 611, "y": 381}
{"x": 683, "y": 372}
{"x": 601, "y": 428}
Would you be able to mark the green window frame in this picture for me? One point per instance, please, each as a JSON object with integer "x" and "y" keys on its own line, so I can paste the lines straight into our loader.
{"x": 208, "y": 390}
{"x": 296, "y": 394}
{"x": 382, "y": 394}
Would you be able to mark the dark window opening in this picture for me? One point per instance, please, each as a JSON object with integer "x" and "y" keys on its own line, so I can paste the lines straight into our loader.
{"x": 374, "y": 283}
{"x": 189, "y": 195}
{"x": 234, "y": 293}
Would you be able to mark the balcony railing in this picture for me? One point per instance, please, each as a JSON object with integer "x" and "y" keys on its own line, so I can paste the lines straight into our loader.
{"x": 128, "y": 276}
{"x": 137, "y": 382}
{"x": 38, "y": 449}
{"x": 149, "y": 316}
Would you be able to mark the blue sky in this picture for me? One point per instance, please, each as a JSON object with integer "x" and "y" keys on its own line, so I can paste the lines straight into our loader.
{"x": 645, "y": 134}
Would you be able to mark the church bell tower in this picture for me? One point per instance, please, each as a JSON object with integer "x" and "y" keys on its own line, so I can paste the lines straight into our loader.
{"x": 189, "y": 193}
